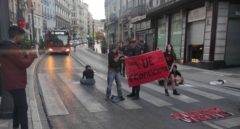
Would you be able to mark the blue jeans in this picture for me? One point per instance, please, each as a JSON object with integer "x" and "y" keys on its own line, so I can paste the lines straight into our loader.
{"x": 112, "y": 75}
{"x": 87, "y": 81}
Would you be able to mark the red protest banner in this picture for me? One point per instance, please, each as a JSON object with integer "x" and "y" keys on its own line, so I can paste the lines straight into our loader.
{"x": 201, "y": 115}
{"x": 146, "y": 68}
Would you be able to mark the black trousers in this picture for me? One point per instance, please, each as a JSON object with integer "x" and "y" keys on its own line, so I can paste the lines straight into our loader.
{"x": 136, "y": 90}
{"x": 20, "y": 108}
{"x": 123, "y": 69}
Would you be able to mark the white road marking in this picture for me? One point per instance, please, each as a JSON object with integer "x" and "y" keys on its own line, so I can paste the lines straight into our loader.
{"x": 229, "y": 123}
{"x": 219, "y": 89}
{"x": 80, "y": 61}
{"x": 182, "y": 97}
{"x": 84, "y": 97}
{"x": 143, "y": 95}
{"x": 52, "y": 100}
{"x": 236, "y": 83}
{"x": 211, "y": 125}
{"x": 126, "y": 104}
{"x": 201, "y": 93}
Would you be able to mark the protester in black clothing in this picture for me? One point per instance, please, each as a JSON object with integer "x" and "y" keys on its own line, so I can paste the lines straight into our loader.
{"x": 125, "y": 50}
{"x": 177, "y": 73}
{"x": 88, "y": 76}
{"x": 142, "y": 46}
{"x": 134, "y": 51}
{"x": 170, "y": 57}
{"x": 119, "y": 44}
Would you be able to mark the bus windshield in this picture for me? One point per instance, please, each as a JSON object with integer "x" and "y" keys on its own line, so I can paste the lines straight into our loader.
{"x": 58, "y": 40}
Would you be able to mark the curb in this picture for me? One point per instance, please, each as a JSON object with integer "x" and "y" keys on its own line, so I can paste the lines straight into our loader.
{"x": 35, "y": 117}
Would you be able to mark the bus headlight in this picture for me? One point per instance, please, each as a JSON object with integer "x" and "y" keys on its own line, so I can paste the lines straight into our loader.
{"x": 67, "y": 50}
{"x": 50, "y": 49}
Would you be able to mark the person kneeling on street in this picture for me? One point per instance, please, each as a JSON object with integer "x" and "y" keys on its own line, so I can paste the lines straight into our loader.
{"x": 176, "y": 74}
{"x": 88, "y": 74}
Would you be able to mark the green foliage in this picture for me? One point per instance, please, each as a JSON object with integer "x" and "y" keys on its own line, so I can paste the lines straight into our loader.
{"x": 26, "y": 42}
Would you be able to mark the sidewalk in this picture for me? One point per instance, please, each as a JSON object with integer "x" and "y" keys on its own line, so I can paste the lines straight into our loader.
{"x": 34, "y": 113}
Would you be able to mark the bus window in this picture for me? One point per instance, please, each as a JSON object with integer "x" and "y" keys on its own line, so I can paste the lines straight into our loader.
{"x": 58, "y": 40}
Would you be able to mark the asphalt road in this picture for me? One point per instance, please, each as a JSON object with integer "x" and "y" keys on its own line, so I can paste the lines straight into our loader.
{"x": 73, "y": 106}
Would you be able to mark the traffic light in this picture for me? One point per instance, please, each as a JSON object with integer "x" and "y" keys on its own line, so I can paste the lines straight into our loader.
{"x": 21, "y": 23}
{"x": 88, "y": 36}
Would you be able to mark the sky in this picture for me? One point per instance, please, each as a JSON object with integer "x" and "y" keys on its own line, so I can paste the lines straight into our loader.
{"x": 96, "y": 7}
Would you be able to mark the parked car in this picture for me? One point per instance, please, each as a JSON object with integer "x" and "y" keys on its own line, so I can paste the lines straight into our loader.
{"x": 80, "y": 41}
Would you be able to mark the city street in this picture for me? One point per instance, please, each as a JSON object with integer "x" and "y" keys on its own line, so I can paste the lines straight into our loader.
{"x": 70, "y": 105}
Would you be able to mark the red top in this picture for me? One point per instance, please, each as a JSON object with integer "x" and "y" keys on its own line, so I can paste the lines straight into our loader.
{"x": 13, "y": 66}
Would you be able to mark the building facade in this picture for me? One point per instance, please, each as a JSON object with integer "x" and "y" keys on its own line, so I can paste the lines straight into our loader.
{"x": 76, "y": 18}
{"x": 99, "y": 25}
{"x": 204, "y": 33}
{"x": 35, "y": 6}
{"x": 63, "y": 13}
{"x": 90, "y": 24}
{"x": 48, "y": 16}
{"x": 85, "y": 21}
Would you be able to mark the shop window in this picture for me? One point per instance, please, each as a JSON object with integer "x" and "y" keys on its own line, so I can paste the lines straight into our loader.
{"x": 176, "y": 33}
{"x": 195, "y": 53}
{"x": 161, "y": 34}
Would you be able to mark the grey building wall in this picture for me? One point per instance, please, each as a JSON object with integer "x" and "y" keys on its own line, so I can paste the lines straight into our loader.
{"x": 221, "y": 35}
{"x": 184, "y": 23}
{"x": 208, "y": 30}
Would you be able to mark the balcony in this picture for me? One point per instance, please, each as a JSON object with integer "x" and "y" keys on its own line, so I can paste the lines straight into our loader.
{"x": 139, "y": 10}
{"x": 13, "y": 16}
{"x": 162, "y": 4}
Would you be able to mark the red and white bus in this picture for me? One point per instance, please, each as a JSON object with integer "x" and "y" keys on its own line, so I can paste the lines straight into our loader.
{"x": 58, "y": 41}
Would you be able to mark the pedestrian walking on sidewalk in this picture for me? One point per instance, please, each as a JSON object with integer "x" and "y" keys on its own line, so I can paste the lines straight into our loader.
{"x": 170, "y": 57}
{"x": 114, "y": 72}
{"x": 13, "y": 73}
{"x": 134, "y": 51}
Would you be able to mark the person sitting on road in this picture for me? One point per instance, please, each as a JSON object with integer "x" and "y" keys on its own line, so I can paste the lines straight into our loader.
{"x": 88, "y": 76}
{"x": 176, "y": 74}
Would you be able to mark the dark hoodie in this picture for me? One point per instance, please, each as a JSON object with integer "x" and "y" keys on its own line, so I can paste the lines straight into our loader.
{"x": 13, "y": 66}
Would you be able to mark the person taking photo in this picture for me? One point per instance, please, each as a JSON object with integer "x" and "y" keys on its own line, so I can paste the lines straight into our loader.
{"x": 13, "y": 73}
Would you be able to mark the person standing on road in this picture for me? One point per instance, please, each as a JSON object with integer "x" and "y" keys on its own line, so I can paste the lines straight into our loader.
{"x": 74, "y": 45}
{"x": 13, "y": 73}
{"x": 125, "y": 50}
{"x": 170, "y": 57}
{"x": 142, "y": 46}
{"x": 134, "y": 51}
{"x": 113, "y": 72}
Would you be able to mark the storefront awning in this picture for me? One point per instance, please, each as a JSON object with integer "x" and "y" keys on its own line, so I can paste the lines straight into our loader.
{"x": 172, "y": 6}
{"x": 139, "y": 19}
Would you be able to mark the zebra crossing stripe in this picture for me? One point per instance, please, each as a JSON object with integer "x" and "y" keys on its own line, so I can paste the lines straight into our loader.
{"x": 219, "y": 89}
{"x": 126, "y": 104}
{"x": 52, "y": 100}
{"x": 143, "y": 95}
{"x": 229, "y": 123}
{"x": 182, "y": 97}
{"x": 201, "y": 93}
{"x": 84, "y": 97}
